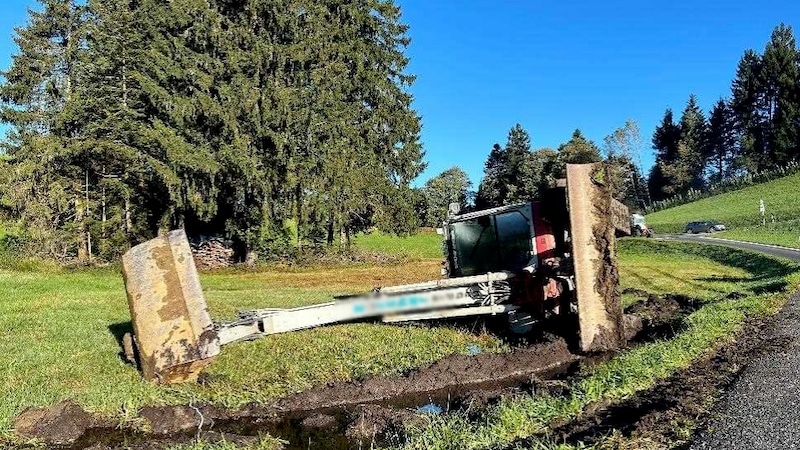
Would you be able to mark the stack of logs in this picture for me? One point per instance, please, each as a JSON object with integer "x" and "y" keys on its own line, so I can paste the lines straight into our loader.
{"x": 212, "y": 253}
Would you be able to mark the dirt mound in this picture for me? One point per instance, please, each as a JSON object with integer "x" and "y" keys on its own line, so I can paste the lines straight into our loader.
{"x": 662, "y": 414}
{"x": 459, "y": 370}
{"x": 60, "y": 424}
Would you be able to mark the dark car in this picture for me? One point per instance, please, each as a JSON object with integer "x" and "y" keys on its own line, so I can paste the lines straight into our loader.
{"x": 704, "y": 226}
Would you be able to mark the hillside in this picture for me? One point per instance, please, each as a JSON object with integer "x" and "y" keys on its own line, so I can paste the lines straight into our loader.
{"x": 739, "y": 211}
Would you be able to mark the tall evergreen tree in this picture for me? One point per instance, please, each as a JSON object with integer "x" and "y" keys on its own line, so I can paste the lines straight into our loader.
{"x": 780, "y": 77}
{"x": 692, "y": 148}
{"x": 680, "y": 152}
{"x": 510, "y": 174}
{"x": 746, "y": 103}
{"x": 47, "y": 188}
{"x": 720, "y": 141}
{"x": 493, "y": 188}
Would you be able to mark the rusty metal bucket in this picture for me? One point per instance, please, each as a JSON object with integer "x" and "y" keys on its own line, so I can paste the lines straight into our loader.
{"x": 175, "y": 337}
{"x": 594, "y": 217}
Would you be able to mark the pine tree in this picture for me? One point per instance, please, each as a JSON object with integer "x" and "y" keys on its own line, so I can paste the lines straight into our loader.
{"x": 493, "y": 189}
{"x": 691, "y": 160}
{"x": 680, "y": 152}
{"x": 510, "y": 174}
{"x": 523, "y": 177}
{"x": 47, "y": 186}
{"x": 780, "y": 77}
{"x": 746, "y": 103}
{"x": 720, "y": 141}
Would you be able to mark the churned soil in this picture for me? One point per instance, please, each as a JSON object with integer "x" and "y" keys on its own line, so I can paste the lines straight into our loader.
{"x": 353, "y": 414}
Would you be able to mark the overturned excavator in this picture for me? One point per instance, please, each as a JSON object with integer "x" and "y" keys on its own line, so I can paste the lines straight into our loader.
{"x": 545, "y": 259}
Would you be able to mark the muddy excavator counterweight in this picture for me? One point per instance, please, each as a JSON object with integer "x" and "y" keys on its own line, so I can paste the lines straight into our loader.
{"x": 534, "y": 261}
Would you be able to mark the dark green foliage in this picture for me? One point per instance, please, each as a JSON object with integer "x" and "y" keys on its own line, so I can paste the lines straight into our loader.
{"x": 511, "y": 174}
{"x": 578, "y": 150}
{"x": 720, "y": 141}
{"x": 756, "y": 131}
{"x": 223, "y": 117}
{"x": 450, "y": 186}
{"x": 680, "y": 152}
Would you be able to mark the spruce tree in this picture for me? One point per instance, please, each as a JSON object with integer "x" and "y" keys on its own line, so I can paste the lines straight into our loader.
{"x": 47, "y": 184}
{"x": 493, "y": 189}
{"x": 780, "y": 77}
{"x": 746, "y": 100}
{"x": 720, "y": 141}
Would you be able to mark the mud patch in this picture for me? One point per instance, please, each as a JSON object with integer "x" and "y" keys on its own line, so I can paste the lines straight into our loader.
{"x": 662, "y": 316}
{"x": 666, "y": 415}
{"x": 61, "y": 424}
{"x": 458, "y": 373}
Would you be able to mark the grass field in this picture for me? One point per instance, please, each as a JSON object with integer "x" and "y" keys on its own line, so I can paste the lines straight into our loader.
{"x": 58, "y": 332}
{"x": 739, "y": 210}
{"x": 420, "y": 245}
{"x": 708, "y": 273}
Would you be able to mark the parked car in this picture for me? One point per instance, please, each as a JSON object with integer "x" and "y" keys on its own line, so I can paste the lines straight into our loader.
{"x": 704, "y": 226}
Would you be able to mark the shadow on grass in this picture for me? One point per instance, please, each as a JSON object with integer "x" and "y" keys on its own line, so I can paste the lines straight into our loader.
{"x": 768, "y": 273}
{"x": 118, "y": 330}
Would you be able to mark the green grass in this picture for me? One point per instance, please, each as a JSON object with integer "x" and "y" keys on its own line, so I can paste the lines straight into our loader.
{"x": 58, "y": 332}
{"x": 420, "y": 245}
{"x": 739, "y": 210}
{"x": 265, "y": 443}
{"x": 785, "y": 234}
{"x": 711, "y": 273}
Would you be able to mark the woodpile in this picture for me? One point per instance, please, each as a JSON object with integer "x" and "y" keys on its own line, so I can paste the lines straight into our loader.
{"x": 212, "y": 253}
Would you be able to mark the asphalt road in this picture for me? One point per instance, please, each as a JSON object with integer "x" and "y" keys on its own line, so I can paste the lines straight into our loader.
{"x": 761, "y": 410}
{"x": 783, "y": 252}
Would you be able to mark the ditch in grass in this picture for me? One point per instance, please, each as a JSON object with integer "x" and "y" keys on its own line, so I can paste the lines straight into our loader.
{"x": 639, "y": 368}
{"x": 705, "y": 273}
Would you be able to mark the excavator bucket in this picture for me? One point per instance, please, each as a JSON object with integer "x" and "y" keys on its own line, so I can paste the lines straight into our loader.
{"x": 594, "y": 217}
{"x": 175, "y": 337}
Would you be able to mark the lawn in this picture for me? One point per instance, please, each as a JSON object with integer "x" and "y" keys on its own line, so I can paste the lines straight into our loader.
{"x": 58, "y": 328}
{"x": 739, "y": 210}
{"x": 421, "y": 245}
{"x": 707, "y": 273}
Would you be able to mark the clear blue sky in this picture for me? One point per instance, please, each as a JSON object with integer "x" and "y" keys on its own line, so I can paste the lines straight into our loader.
{"x": 552, "y": 66}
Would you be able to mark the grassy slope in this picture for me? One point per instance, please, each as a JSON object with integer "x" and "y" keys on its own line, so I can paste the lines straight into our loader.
{"x": 739, "y": 210}
{"x": 58, "y": 327}
{"x": 656, "y": 268}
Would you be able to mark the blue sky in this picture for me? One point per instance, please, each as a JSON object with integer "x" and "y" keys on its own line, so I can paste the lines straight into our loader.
{"x": 483, "y": 66}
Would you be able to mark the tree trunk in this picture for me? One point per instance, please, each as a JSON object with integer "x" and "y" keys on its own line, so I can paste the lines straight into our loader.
{"x": 330, "y": 231}
{"x": 298, "y": 198}
{"x": 83, "y": 248}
